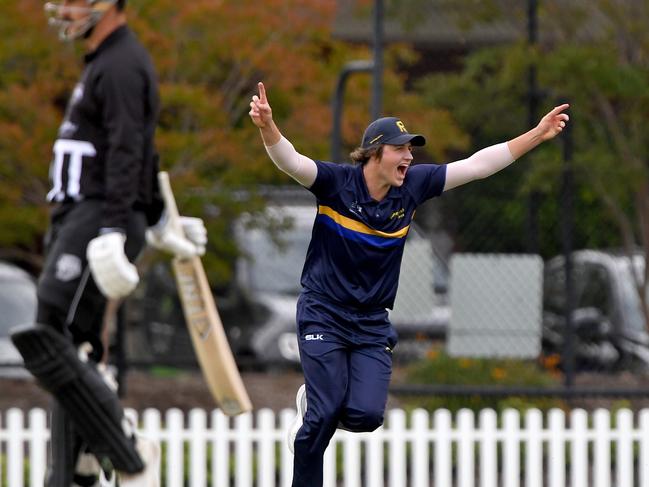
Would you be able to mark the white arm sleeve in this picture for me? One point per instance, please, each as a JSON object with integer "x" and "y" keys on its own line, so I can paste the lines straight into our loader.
{"x": 299, "y": 167}
{"x": 480, "y": 165}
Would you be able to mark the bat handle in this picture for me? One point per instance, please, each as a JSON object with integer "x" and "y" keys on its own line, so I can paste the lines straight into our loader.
{"x": 169, "y": 201}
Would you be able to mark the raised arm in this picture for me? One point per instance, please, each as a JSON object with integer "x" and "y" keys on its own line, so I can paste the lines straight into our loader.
{"x": 492, "y": 159}
{"x": 280, "y": 150}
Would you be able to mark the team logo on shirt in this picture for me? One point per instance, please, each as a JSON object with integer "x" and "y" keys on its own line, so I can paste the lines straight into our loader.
{"x": 398, "y": 214}
{"x": 356, "y": 209}
{"x": 68, "y": 267}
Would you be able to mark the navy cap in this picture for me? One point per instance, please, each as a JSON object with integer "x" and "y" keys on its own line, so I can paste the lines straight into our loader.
{"x": 389, "y": 130}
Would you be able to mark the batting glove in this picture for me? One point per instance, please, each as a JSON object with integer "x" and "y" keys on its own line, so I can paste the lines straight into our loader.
{"x": 192, "y": 243}
{"x": 115, "y": 276}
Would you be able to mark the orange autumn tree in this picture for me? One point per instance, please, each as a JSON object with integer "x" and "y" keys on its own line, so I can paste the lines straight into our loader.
{"x": 209, "y": 55}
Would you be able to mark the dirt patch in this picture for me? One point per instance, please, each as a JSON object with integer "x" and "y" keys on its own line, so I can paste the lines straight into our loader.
{"x": 275, "y": 390}
{"x": 184, "y": 390}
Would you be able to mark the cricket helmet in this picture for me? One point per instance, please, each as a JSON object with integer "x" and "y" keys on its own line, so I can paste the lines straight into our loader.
{"x": 60, "y": 16}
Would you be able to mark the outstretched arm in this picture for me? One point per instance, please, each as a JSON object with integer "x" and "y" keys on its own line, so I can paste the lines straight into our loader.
{"x": 492, "y": 159}
{"x": 280, "y": 150}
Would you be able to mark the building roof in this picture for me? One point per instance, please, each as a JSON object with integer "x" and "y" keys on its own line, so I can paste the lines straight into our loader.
{"x": 440, "y": 24}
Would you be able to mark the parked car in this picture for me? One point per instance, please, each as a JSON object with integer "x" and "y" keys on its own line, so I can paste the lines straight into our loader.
{"x": 610, "y": 328}
{"x": 17, "y": 307}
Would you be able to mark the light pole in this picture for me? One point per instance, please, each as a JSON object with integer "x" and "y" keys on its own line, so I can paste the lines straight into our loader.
{"x": 533, "y": 246}
{"x": 337, "y": 104}
{"x": 377, "y": 83}
{"x": 375, "y": 67}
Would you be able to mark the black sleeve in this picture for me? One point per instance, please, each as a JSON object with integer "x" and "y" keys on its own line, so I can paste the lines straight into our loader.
{"x": 121, "y": 89}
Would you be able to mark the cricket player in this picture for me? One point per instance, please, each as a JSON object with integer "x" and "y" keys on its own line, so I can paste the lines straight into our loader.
{"x": 352, "y": 266}
{"x": 104, "y": 198}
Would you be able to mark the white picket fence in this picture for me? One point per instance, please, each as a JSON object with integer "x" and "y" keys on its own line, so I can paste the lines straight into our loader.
{"x": 576, "y": 449}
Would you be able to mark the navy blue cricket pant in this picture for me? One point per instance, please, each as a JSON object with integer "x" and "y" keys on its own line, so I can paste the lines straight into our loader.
{"x": 346, "y": 357}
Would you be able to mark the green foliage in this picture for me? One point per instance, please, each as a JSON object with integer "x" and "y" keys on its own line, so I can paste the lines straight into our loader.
{"x": 606, "y": 89}
{"x": 441, "y": 369}
{"x": 209, "y": 56}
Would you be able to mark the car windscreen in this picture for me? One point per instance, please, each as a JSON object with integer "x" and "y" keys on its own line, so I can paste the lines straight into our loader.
{"x": 275, "y": 265}
{"x": 17, "y": 304}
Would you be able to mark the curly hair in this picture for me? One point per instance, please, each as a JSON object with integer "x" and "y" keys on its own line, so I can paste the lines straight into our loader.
{"x": 361, "y": 155}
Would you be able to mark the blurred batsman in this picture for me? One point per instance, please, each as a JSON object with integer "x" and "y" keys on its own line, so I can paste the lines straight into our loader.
{"x": 105, "y": 206}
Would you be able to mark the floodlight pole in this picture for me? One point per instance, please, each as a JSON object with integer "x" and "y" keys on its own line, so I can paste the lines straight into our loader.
{"x": 337, "y": 104}
{"x": 533, "y": 246}
{"x": 375, "y": 67}
{"x": 567, "y": 224}
{"x": 377, "y": 84}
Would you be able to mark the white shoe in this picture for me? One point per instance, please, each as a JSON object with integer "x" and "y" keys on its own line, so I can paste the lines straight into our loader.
{"x": 88, "y": 471}
{"x": 300, "y": 403}
{"x": 149, "y": 450}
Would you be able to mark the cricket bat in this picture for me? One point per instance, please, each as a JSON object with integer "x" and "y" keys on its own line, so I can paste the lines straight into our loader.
{"x": 205, "y": 327}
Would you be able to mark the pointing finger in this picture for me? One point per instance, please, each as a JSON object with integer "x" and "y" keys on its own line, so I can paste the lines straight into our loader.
{"x": 558, "y": 109}
{"x": 262, "y": 92}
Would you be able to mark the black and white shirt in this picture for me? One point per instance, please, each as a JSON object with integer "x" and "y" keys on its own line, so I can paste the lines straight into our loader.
{"x": 105, "y": 146}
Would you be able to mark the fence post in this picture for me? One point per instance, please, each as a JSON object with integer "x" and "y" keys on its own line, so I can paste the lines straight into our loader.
{"x": 175, "y": 451}
{"x": 197, "y": 448}
{"x": 579, "y": 448}
{"x": 351, "y": 459}
{"x": 557, "y": 448}
{"x": 329, "y": 463}
{"x": 243, "y": 448}
{"x": 624, "y": 458}
{"x": 286, "y": 418}
{"x": 38, "y": 436}
{"x": 374, "y": 465}
{"x": 466, "y": 442}
{"x": 15, "y": 455}
{"x": 220, "y": 451}
{"x": 420, "y": 448}
{"x": 265, "y": 431}
{"x": 442, "y": 431}
{"x": 488, "y": 448}
{"x": 397, "y": 423}
{"x": 152, "y": 429}
{"x": 602, "y": 448}
{"x": 511, "y": 448}
{"x": 534, "y": 448}
{"x": 644, "y": 447}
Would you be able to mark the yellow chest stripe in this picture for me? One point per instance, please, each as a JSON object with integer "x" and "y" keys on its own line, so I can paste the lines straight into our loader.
{"x": 357, "y": 226}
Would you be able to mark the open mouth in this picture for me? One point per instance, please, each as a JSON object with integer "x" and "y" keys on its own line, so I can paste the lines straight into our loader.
{"x": 402, "y": 169}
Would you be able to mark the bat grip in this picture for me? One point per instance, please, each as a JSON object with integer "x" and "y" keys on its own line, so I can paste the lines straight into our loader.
{"x": 170, "y": 202}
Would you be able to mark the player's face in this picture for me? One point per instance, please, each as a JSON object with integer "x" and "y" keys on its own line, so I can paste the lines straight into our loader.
{"x": 395, "y": 162}
{"x": 70, "y": 16}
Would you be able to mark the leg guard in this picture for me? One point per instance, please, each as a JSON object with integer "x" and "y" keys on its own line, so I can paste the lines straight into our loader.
{"x": 65, "y": 446}
{"x": 92, "y": 407}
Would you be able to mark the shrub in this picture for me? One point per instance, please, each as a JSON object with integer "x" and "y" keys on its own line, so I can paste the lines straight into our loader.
{"x": 441, "y": 369}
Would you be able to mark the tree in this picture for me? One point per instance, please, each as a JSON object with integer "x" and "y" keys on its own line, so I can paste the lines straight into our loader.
{"x": 209, "y": 56}
{"x": 596, "y": 56}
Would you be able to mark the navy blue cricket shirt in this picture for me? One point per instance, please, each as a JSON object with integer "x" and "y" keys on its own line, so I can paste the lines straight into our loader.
{"x": 357, "y": 243}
